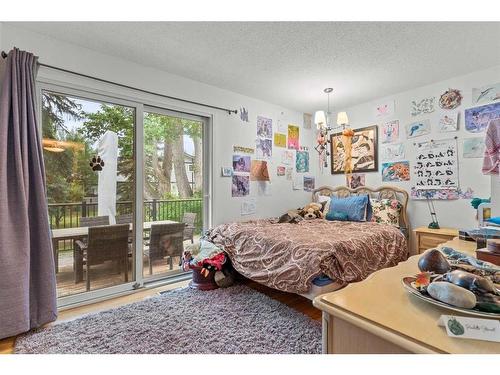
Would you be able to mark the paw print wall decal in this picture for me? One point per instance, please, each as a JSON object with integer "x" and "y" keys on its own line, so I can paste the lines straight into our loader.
{"x": 96, "y": 163}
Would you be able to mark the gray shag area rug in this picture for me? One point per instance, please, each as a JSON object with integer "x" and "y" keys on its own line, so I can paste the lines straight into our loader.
{"x": 231, "y": 320}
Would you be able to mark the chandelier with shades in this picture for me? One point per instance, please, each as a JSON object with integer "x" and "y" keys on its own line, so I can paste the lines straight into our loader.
{"x": 323, "y": 123}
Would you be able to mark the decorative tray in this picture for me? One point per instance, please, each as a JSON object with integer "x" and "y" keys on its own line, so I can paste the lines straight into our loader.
{"x": 409, "y": 284}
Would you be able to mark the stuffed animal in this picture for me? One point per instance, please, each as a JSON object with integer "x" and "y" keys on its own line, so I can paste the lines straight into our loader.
{"x": 312, "y": 211}
{"x": 291, "y": 216}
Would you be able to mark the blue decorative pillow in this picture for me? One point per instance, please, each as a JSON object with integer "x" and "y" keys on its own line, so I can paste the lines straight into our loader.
{"x": 357, "y": 208}
{"x": 336, "y": 216}
{"x": 494, "y": 220}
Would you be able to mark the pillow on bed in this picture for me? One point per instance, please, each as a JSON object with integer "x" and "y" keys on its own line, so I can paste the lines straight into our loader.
{"x": 325, "y": 201}
{"x": 357, "y": 208}
{"x": 386, "y": 211}
{"x": 336, "y": 216}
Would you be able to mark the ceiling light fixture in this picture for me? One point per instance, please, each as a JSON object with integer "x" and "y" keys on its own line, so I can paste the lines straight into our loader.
{"x": 322, "y": 120}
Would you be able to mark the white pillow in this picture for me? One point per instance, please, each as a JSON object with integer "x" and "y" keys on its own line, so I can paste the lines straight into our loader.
{"x": 324, "y": 198}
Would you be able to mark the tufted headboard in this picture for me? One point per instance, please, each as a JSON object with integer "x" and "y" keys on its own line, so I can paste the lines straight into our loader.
{"x": 391, "y": 192}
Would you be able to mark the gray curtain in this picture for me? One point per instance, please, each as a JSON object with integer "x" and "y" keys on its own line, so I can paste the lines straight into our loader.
{"x": 27, "y": 275}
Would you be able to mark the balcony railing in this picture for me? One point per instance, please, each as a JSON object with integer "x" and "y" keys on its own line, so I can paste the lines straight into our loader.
{"x": 67, "y": 215}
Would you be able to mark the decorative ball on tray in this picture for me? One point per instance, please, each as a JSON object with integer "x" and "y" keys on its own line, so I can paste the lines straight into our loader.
{"x": 457, "y": 281}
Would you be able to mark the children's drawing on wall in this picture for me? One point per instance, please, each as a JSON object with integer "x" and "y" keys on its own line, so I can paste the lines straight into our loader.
{"x": 259, "y": 171}
{"x": 249, "y": 206}
{"x": 396, "y": 171}
{"x": 486, "y": 94}
{"x": 473, "y": 147}
{"x": 226, "y": 171}
{"x": 264, "y": 188}
{"x": 302, "y": 161}
{"x": 307, "y": 121}
{"x": 241, "y": 163}
{"x": 264, "y": 127}
{"x": 384, "y": 109}
{"x": 293, "y": 137}
{"x": 355, "y": 180}
{"x": 281, "y": 122}
{"x": 243, "y": 150}
{"x": 297, "y": 182}
{"x": 264, "y": 148}
{"x": 478, "y": 118}
{"x": 308, "y": 183}
{"x": 280, "y": 170}
{"x": 243, "y": 114}
{"x": 443, "y": 194}
{"x": 280, "y": 140}
{"x": 418, "y": 128}
{"x": 241, "y": 186}
{"x": 288, "y": 173}
{"x": 436, "y": 165}
{"x": 394, "y": 151}
{"x": 390, "y": 131}
{"x": 287, "y": 157}
{"x": 448, "y": 121}
{"x": 419, "y": 107}
{"x": 451, "y": 99}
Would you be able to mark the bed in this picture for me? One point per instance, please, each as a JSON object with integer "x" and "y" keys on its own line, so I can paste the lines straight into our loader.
{"x": 292, "y": 257}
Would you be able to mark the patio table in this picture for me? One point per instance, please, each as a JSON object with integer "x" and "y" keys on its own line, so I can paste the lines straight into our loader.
{"x": 79, "y": 233}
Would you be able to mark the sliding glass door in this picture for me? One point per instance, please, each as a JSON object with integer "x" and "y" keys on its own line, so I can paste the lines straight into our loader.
{"x": 113, "y": 165}
{"x": 173, "y": 188}
{"x": 88, "y": 149}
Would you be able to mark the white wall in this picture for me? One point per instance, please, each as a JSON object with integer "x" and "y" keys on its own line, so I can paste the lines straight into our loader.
{"x": 228, "y": 130}
{"x": 495, "y": 195}
{"x": 453, "y": 213}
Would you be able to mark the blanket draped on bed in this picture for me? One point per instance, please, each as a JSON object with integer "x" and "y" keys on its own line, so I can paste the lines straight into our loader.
{"x": 289, "y": 256}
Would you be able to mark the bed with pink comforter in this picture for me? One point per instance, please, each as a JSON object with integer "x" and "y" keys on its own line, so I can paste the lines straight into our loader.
{"x": 288, "y": 257}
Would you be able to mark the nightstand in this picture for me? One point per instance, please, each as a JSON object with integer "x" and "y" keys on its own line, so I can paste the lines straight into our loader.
{"x": 430, "y": 238}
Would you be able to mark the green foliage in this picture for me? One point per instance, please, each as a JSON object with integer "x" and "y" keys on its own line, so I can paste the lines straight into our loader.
{"x": 65, "y": 180}
{"x": 69, "y": 178}
{"x": 120, "y": 120}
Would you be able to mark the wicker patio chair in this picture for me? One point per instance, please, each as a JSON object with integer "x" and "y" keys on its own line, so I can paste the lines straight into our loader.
{"x": 124, "y": 219}
{"x": 94, "y": 221}
{"x": 166, "y": 240}
{"x": 105, "y": 243}
{"x": 189, "y": 219}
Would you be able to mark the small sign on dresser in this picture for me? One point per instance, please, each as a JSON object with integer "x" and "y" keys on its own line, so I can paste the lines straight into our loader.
{"x": 471, "y": 328}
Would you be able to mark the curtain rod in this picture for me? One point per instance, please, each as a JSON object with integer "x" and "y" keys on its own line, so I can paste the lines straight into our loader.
{"x": 229, "y": 111}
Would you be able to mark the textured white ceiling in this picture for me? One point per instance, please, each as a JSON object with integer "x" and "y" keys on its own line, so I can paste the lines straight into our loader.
{"x": 289, "y": 63}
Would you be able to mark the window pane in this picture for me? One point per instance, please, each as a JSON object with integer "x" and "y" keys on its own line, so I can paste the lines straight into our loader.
{"x": 172, "y": 190}
{"x": 89, "y": 163}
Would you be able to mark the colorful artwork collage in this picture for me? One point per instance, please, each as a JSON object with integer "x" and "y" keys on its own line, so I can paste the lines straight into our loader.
{"x": 433, "y": 114}
{"x": 394, "y": 169}
{"x": 252, "y": 166}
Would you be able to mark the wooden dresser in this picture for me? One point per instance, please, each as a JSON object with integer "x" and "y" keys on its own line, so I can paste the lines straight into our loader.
{"x": 428, "y": 238}
{"x": 378, "y": 315}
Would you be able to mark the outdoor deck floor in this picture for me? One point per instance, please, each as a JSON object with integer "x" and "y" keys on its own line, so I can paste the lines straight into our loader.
{"x": 105, "y": 275}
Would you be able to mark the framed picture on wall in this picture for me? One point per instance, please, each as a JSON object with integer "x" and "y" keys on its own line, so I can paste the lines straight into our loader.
{"x": 364, "y": 154}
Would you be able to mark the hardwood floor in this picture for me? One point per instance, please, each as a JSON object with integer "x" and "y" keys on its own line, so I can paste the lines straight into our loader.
{"x": 294, "y": 301}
